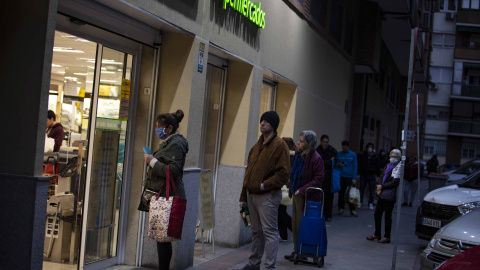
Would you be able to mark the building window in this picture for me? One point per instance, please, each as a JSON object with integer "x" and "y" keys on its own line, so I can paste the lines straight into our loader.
{"x": 448, "y": 5}
{"x": 471, "y": 4}
{"x": 348, "y": 42}
{"x": 462, "y": 110}
{"x": 438, "y": 113}
{"x": 443, "y": 40}
{"x": 441, "y": 74}
{"x": 336, "y": 19}
{"x": 318, "y": 10}
{"x": 470, "y": 150}
{"x": 435, "y": 147}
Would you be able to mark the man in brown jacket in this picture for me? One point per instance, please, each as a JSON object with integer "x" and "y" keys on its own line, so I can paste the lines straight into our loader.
{"x": 267, "y": 171}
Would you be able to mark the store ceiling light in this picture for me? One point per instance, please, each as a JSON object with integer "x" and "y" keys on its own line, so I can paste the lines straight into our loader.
{"x": 80, "y": 74}
{"x": 65, "y": 49}
{"x": 60, "y": 72}
{"x": 110, "y": 81}
{"x": 55, "y": 65}
{"x": 82, "y": 40}
{"x": 71, "y": 78}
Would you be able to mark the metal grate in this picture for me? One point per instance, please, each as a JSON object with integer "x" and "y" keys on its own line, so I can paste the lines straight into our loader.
{"x": 437, "y": 258}
{"x": 439, "y": 211}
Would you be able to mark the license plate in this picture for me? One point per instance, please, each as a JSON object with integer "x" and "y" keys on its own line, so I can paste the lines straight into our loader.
{"x": 431, "y": 222}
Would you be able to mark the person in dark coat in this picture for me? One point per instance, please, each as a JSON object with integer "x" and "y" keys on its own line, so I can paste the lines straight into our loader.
{"x": 307, "y": 171}
{"x": 432, "y": 164}
{"x": 284, "y": 219}
{"x": 328, "y": 154}
{"x": 172, "y": 151}
{"x": 369, "y": 170}
{"x": 54, "y": 130}
{"x": 387, "y": 193}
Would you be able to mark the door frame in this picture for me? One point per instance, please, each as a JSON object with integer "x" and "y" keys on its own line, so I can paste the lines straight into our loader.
{"x": 107, "y": 39}
{"x": 222, "y": 64}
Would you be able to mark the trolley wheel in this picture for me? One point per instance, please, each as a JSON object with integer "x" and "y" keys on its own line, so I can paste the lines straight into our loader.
{"x": 321, "y": 262}
{"x": 295, "y": 258}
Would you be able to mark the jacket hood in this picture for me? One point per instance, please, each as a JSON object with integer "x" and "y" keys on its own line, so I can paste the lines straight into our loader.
{"x": 182, "y": 141}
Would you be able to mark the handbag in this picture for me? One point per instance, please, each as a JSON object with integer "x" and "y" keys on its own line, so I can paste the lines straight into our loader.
{"x": 147, "y": 195}
{"x": 166, "y": 215}
{"x": 335, "y": 179}
{"x": 354, "y": 196}
{"x": 286, "y": 200}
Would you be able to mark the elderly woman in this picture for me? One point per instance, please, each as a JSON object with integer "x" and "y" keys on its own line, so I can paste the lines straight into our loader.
{"x": 387, "y": 193}
{"x": 307, "y": 171}
{"x": 171, "y": 151}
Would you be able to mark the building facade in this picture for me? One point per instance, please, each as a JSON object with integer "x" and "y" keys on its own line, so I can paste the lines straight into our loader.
{"x": 107, "y": 68}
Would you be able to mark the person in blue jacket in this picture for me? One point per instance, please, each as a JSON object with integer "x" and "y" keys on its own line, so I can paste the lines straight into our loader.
{"x": 347, "y": 164}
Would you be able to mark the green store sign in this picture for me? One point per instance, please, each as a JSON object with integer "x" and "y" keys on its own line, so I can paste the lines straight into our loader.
{"x": 248, "y": 9}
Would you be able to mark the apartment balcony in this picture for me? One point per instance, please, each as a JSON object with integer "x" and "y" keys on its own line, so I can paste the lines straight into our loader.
{"x": 469, "y": 16}
{"x": 466, "y": 90}
{"x": 467, "y": 53}
{"x": 464, "y": 128}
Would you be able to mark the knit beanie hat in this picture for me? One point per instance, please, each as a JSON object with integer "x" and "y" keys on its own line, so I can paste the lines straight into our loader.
{"x": 272, "y": 118}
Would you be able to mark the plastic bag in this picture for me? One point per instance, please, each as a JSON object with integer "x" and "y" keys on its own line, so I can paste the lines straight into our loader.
{"x": 354, "y": 196}
{"x": 286, "y": 200}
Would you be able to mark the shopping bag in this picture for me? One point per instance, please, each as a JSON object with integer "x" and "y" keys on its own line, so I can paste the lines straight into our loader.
{"x": 286, "y": 200}
{"x": 166, "y": 215}
{"x": 335, "y": 179}
{"x": 346, "y": 196}
{"x": 354, "y": 196}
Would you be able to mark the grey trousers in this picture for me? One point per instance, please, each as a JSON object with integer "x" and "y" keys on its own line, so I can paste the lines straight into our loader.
{"x": 264, "y": 219}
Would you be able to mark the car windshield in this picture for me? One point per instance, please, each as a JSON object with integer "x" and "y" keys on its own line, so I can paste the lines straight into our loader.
{"x": 468, "y": 168}
{"x": 473, "y": 182}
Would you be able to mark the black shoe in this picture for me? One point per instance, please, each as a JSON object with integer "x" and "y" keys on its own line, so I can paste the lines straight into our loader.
{"x": 404, "y": 204}
{"x": 410, "y": 205}
{"x": 289, "y": 257}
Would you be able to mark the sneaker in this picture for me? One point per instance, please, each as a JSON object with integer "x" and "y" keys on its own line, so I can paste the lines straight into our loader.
{"x": 289, "y": 257}
{"x": 370, "y": 205}
{"x": 340, "y": 212}
{"x": 410, "y": 205}
{"x": 353, "y": 213}
{"x": 283, "y": 240}
{"x": 404, "y": 204}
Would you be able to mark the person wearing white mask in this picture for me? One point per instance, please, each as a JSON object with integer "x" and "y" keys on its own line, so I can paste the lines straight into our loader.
{"x": 368, "y": 170}
{"x": 387, "y": 192}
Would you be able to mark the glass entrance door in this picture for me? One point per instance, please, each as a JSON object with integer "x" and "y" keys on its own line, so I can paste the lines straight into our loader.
{"x": 90, "y": 96}
{"x": 104, "y": 186}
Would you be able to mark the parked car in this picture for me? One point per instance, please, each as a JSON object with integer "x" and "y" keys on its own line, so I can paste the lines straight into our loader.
{"x": 460, "y": 235}
{"x": 460, "y": 175}
{"x": 441, "y": 206}
{"x": 467, "y": 260}
{"x": 448, "y": 167}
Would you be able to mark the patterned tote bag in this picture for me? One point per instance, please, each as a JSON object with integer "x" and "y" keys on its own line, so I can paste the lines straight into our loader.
{"x": 166, "y": 215}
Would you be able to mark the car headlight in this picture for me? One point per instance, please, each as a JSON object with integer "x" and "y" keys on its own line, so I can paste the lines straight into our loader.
{"x": 468, "y": 207}
{"x": 434, "y": 240}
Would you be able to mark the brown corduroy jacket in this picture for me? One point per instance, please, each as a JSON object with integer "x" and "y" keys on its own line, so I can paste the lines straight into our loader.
{"x": 268, "y": 164}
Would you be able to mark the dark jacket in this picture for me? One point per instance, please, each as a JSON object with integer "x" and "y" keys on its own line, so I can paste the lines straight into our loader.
{"x": 368, "y": 165}
{"x": 411, "y": 171}
{"x": 327, "y": 155}
{"x": 268, "y": 164}
{"x": 171, "y": 152}
{"x": 56, "y": 132}
{"x": 389, "y": 188}
{"x": 313, "y": 175}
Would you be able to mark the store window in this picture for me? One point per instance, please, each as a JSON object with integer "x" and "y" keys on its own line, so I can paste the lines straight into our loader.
{"x": 471, "y": 4}
{"x": 435, "y": 147}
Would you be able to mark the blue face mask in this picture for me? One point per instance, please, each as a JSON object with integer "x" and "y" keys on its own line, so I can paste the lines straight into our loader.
{"x": 161, "y": 133}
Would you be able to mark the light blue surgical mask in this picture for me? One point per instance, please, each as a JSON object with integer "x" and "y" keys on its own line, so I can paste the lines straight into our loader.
{"x": 161, "y": 133}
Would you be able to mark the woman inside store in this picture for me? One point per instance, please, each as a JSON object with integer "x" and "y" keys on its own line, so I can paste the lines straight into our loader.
{"x": 387, "y": 194}
{"x": 307, "y": 171}
{"x": 171, "y": 151}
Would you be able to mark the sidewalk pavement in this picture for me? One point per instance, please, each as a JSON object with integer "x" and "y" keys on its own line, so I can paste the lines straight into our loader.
{"x": 347, "y": 247}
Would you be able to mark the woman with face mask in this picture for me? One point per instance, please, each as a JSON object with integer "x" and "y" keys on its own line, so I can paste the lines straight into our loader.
{"x": 172, "y": 151}
{"x": 386, "y": 192}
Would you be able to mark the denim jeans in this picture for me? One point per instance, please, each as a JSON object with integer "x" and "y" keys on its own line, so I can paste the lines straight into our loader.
{"x": 370, "y": 181}
{"x": 410, "y": 189}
